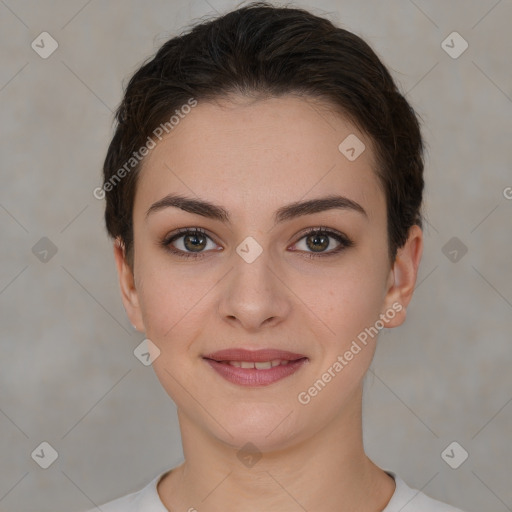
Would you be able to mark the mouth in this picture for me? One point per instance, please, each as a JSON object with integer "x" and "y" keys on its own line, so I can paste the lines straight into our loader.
{"x": 255, "y": 368}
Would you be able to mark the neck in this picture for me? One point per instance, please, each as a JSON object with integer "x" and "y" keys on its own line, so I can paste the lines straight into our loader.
{"x": 326, "y": 472}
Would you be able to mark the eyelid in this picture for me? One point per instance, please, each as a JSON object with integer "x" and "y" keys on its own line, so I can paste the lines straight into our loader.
{"x": 321, "y": 229}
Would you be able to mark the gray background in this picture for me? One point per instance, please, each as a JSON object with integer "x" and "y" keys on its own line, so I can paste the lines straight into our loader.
{"x": 68, "y": 375}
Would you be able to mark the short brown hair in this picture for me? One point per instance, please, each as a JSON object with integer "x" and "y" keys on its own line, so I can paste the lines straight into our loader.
{"x": 270, "y": 51}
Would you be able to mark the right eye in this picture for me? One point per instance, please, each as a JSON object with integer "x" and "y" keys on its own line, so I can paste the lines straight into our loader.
{"x": 192, "y": 242}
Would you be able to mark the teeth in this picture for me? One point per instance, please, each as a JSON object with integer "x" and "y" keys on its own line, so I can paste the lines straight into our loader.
{"x": 263, "y": 365}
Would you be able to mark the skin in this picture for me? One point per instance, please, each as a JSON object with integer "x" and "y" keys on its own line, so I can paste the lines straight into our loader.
{"x": 253, "y": 157}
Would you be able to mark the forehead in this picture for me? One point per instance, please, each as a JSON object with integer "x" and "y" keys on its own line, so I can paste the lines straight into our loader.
{"x": 258, "y": 154}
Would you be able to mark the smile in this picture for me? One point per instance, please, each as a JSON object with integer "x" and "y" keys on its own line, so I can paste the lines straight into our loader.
{"x": 255, "y": 368}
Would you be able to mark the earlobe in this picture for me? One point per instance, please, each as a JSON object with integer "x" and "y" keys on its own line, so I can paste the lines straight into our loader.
{"x": 403, "y": 276}
{"x": 129, "y": 293}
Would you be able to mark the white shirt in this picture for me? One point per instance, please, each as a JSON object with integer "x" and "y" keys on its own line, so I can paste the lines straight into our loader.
{"x": 404, "y": 499}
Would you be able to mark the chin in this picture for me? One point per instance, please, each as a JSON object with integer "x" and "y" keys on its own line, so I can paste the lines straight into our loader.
{"x": 266, "y": 426}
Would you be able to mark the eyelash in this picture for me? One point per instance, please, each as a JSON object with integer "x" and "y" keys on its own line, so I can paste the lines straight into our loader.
{"x": 343, "y": 240}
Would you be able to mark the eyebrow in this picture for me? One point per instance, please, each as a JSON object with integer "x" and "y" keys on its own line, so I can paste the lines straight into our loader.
{"x": 288, "y": 212}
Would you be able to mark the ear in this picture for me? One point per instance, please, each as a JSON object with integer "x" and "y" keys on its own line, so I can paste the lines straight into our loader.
{"x": 402, "y": 277}
{"x": 127, "y": 286}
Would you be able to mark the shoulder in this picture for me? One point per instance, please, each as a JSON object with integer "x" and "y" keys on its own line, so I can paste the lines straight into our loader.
{"x": 143, "y": 500}
{"x": 406, "y": 499}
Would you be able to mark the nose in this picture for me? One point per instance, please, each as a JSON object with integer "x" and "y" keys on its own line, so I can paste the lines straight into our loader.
{"x": 254, "y": 295}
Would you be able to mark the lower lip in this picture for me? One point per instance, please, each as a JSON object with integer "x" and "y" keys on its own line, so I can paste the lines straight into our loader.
{"x": 254, "y": 377}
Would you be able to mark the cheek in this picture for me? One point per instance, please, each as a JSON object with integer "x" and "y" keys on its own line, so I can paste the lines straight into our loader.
{"x": 347, "y": 299}
{"x": 170, "y": 300}
{"x": 174, "y": 316}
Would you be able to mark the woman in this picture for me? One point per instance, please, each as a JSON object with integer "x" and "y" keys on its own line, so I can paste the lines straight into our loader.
{"x": 263, "y": 188}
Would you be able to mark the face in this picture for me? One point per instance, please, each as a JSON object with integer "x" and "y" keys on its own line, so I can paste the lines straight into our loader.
{"x": 253, "y": 274}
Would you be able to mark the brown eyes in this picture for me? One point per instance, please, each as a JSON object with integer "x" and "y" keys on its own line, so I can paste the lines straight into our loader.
{"x": 195, "y": 242}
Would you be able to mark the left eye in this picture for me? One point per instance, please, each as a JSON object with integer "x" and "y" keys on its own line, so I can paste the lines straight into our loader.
{"x": 317, "y": 241}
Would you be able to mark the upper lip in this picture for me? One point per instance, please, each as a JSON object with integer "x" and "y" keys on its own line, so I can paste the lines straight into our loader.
{"x": 256, "y": 356}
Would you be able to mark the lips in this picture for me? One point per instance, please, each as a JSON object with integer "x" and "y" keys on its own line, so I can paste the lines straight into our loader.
{"x": 253, "y": 356}
{"x": 255, "y": 367}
